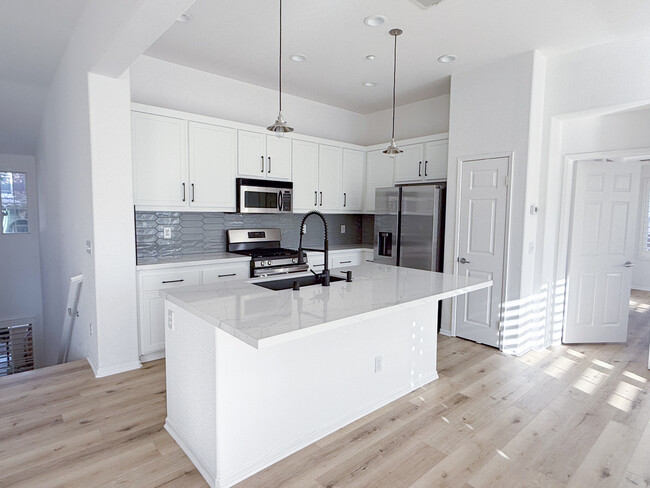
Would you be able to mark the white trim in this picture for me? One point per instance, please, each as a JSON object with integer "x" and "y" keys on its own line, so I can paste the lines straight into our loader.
{"x": 197, "y": 460}
{"x": 506, "y": 261}
{"x": 116, "y": 369}
{"x": 644, "y": 226}
{"x": 93, "y": 363}
{"x": 152, "y": 356}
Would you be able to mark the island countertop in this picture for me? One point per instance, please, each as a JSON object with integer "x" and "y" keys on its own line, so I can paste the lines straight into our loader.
{"x": 262, "y": 317}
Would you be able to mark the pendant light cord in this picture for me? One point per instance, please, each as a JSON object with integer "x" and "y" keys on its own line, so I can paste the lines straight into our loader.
{"x": 280, "y": 61}
{"x": 394, "y": 81}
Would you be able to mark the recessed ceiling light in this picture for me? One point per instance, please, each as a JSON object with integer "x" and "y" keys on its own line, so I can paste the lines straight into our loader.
{"x": 298, "y": 58}
{"x": 369, "y": 84}
{"x": 375, "y": 20}
{"x": 370, "y": 57}
{"x": 447, "y": 58}
{"x": 183, "y": 18}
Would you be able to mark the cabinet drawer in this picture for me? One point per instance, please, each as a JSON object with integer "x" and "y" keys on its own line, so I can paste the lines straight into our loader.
{"x": 169, "y": 279}
{"x": 348, "y": 259}
{"x": 225, "y": 272}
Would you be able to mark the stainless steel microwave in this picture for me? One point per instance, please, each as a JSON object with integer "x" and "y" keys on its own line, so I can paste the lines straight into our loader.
{"x": 262, "y": 196}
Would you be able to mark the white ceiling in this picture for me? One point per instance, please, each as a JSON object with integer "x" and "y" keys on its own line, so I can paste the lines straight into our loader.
{"x": 33, "y": 36}
{"x": 239, "y": 39}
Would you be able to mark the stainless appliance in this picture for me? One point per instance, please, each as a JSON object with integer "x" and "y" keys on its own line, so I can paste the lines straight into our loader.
{"x": 409, "y": 226}
{"x": 263, "y": 196}
{"x": 263, "y": 246}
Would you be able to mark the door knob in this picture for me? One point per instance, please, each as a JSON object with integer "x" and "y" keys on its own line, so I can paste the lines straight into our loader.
{"x": 463, "y": 261}
{"x": 628, "y": 264}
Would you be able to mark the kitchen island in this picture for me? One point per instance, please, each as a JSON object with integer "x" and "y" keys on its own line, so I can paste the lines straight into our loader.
{"x": 254, "y": 374}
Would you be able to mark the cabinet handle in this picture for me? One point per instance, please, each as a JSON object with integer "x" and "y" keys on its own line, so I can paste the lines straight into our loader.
{"x": 262, "y": 158}
{"x": 321, "y": 199}
{"x": 315, "y": 198}
{"x": 345, "y": 199}
{"x": 172, "y": 281}
{"x": 420, "y": 168}
{"x": 183, "y": 191}
{"x": 192, "y": 192}
{"x": 226, "y": 275}
{"x": 269, "y": 170}
{"x": 425, "y": 168}
{"x": 346, "y": 262}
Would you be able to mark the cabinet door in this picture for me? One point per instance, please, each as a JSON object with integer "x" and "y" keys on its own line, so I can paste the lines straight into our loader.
{"x": 251, "y": 161}
{"x": 213, "y": 159}
{"x": 152, "y": 323}
{"x": 435, "y": 157}
{"x": 278, "y": 158}
{"x": 159, "y": 160}
{"x": 409, "y": 165}
{"x": 379, "y": 174}
{"x": 353, "y": 180}
{"x": 330, "y": 194}
{"x": 305, "y": 176}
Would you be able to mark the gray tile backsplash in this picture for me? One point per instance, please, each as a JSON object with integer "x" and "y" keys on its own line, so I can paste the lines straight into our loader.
{"x": 200, "y": 233}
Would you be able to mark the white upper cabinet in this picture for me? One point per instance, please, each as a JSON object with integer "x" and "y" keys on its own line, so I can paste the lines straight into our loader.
{"x": 213, "y": 159}
{"x": 422, "y": 162}
{"x": 305, "y": 176}
{"x": 264, "y": 156}
{"x": 330, "y": 188}
{"x": 435, "y": 161}
{"x": 353, "y": 180}
{"x": 159, "y": 160}
{"x": 278, "y": 158}
{"x": 379, "y": 174}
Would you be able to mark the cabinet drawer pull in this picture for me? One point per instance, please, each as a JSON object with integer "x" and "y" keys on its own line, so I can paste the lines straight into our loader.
{"x": 370, "y": 260}
{"x": 425, "y": 168}
{"x": 269, "y": 170}
{"x": 346, "y": 262}
{"x": 262, "y": 158}
{"x": 183, "y": 191}
{"x": 315, "y": 198}
{"x": 226, "y": 275}
{"x": 172, "y": 281}
{"x": 420, "y": 168}
{"x": 192, "y": 192}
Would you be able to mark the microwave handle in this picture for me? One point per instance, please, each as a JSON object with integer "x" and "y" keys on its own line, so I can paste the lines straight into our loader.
{"x": 280, "y": 200}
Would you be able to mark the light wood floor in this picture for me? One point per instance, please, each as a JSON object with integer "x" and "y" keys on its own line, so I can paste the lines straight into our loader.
{"x": 574, "y": 416}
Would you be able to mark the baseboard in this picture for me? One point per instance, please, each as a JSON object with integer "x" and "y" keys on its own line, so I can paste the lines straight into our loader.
{"x": 231, "y": 479}
{"x": 642, "y": 288}
{"x": 118, "y": 368}
{"x": 197, "y": 461}
{"x": 152, "y": 356}
{"x": 446, "y": 333}
{"x": 93, "y": 364}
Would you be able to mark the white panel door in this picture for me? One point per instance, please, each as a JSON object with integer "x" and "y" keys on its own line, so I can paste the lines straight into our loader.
{"x": 409, "y": 165}
{"x": 278, "y": 158}
{"x": 379, "y": 174}
{"x": 482, "y": 227}
{"x": 354, "y": 169}
{"x": 159, "y": 160}
{"x": 251, "y": 160}
{"x": 305, "y": 176}
{"x": 601, "y": 251}
{"x": 213, "y": 160}
{"x": 435, "y": 160}
{"x": 330, "y": 190}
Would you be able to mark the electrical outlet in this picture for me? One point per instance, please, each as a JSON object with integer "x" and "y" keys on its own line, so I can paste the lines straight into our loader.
{"x": 170, "y": 319}
{"x": 377, "y": 364}
{"x": 304, "y": 228}
{"x": 91, "y": 328}
{"x": 89, "y": 247}
{"x": 167, "y": 232}
{"x": 342, "y": 228}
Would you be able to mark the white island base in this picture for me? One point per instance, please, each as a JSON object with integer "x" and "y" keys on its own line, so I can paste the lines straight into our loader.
{"x": 235, "y": 408}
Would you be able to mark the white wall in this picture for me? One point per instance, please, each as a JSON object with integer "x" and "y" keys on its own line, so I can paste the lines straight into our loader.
{"x": 494, "y": 111}
{"x": 169, "y": 85}
{"x": 413, "y": 120}
{"x": 597, "y": 80}
{"x": 20, "y": 272}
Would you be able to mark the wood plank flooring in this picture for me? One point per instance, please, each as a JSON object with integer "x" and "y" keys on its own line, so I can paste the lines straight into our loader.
{"x": 571, "y": 416}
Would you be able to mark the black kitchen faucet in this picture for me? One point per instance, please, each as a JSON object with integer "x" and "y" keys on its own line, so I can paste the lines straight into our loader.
{"x": 325, "y": 275}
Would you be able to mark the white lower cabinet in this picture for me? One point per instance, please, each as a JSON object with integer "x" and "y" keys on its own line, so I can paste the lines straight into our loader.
{"x": 151, "y": 320}
{"x": 369, "y": 255}
{"x": 347, "y": 258}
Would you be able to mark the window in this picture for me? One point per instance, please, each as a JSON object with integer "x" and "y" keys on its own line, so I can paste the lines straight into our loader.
{"x": 13, "y": 202}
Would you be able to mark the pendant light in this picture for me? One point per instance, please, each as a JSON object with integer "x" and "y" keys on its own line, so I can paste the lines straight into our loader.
{"x": 279, "y": 127}
{"x": 392, "y": 149}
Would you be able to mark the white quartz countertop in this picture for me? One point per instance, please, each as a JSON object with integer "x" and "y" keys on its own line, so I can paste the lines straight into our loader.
{"x": 262, "y": 317}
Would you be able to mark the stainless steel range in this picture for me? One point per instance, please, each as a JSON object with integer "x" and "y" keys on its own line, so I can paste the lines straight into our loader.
{"x": 263, "y": 246}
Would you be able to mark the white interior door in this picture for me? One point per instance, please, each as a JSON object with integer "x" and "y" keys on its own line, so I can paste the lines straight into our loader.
{"x": 605, "y": 201}
{"x": 481, "y": 249}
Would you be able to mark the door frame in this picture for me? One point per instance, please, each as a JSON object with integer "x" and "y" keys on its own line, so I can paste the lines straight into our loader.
{"x": 564, "y": 234}
{"x": 506, "y": 254}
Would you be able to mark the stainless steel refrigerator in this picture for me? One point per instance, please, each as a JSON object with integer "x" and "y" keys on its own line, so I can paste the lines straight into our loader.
{"x": 410, "y": 226}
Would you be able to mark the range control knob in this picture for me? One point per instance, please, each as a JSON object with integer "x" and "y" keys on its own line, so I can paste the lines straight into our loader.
{"x": 262, "y": 263}
{"x": 294, "y": 260}
{"x": 269, "y": 263}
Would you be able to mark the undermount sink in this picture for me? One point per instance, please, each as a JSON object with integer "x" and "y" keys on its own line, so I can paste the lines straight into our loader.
{"x": 287, "y": 283}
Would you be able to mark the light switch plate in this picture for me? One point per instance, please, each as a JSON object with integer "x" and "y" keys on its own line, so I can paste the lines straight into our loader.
{"x": 167, "y": 232}
{"x": 342, "y": 228}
